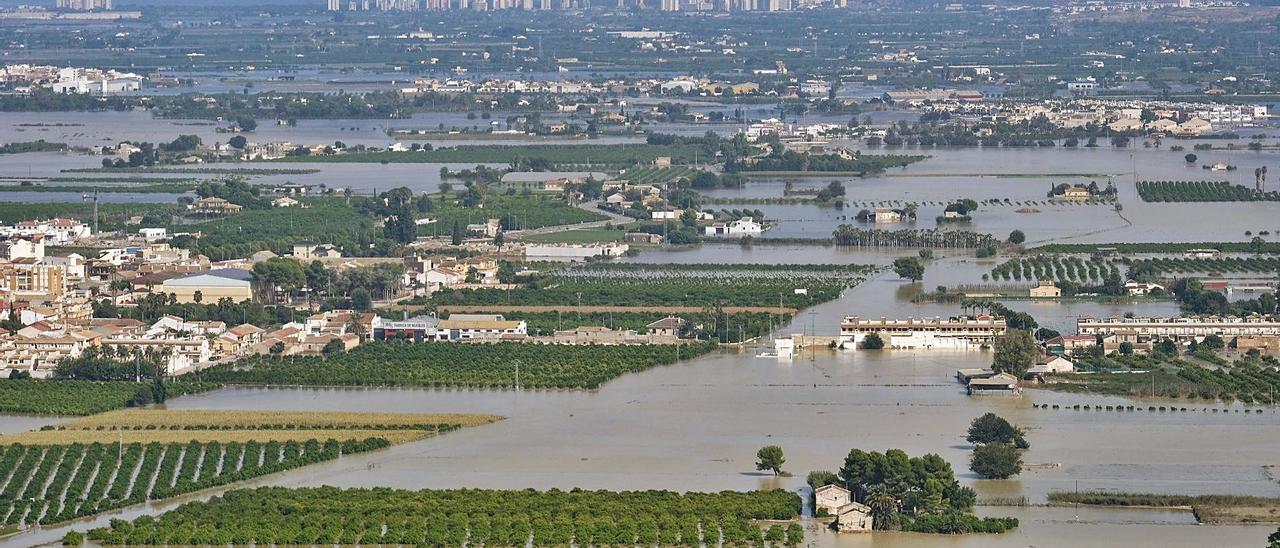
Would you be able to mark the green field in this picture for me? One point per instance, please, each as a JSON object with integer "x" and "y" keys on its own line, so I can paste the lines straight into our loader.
{"x": 55, "y": 483}
{"x": 74, "y": 397}
{"x": 441, "y": 365}
{"x": 469, "y": 517}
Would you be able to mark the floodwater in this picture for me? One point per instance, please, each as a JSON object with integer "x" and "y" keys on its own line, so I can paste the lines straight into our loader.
{"x": 697, "y": 425}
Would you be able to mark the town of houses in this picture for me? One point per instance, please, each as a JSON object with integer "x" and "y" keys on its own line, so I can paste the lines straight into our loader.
{"x": 49, "y": 299}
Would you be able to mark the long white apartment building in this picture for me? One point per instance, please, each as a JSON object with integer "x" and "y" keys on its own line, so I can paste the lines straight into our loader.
{"x": 1180, "y": 328}
{"x": 957, "y": 333}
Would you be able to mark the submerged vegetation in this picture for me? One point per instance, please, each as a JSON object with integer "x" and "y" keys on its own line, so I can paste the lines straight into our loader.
{"x": 1201, "y": 191}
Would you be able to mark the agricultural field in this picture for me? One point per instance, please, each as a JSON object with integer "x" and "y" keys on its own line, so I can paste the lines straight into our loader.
{"x": 1058, "y": 269}
{"x": 1243, "y": 380}
{"x": 1201, "y": 191}
{"x": 567, "y": 157}
{"x": 738, "y": 325}
{"x": 75, "y": 397}
{"x": 1266, "y": 265}
{"x": 522, "y": 212}
{"x": 166, "y": 426}
{"x": 484, "y": 366}
{"x": 656, "y": 175}
{"x": 44, "y": 484}
{"x": 90, "y": 465}
{"x": 472, "y": 517}
{"x": 637, "y": 284}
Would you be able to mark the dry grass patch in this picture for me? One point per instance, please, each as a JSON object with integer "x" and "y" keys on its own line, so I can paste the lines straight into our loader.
{"x": 184, "y": 425}
{"x": 65, "y": 437}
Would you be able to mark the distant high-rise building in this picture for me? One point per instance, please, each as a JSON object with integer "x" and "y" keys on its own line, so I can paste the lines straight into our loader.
{"x": 670, "y": 5}
{"x": 83, "y": 5}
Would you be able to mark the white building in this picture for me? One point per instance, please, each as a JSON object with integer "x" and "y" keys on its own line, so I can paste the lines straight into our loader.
{"x": 745, "y": 226}
{"x": 574, "y": 251}
{"x": 962, "y": 333}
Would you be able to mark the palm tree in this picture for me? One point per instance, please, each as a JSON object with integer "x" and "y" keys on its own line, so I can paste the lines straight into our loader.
{"x": 884, "y": 509}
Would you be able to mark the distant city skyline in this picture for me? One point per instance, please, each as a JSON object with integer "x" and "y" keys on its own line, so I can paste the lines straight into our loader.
{"x": 544, "y": 5}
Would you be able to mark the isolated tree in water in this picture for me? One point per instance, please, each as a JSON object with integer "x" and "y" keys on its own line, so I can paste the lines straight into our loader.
{"x": 1015, "y": 353}
{"x": 770, "y": 458}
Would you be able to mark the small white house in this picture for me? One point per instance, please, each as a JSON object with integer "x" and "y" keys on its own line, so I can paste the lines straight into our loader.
{"x": 152, "y": 235}
{"x": 745, "y": 226}
{"x": 1141, "y": 288}
{"x": 1051, "y": 364}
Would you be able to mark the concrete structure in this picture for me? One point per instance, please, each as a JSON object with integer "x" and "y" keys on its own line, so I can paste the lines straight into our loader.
{"x": 831, "y": 498}
{"x": 1045, "y": 290}
{"x": 574, "y": 251}
{"x": 213, "y": 286}
{"x": 1051, "y": 364}
{"x": 960, "y": 333}
{"x": 1182, "y": 328}
{"x": 854, "y": 518}
{"x": 885, "y": 215}
{"x": 482, "y": 327}
{"x": 999, "y": 384}
{"x": 745, "y": 226}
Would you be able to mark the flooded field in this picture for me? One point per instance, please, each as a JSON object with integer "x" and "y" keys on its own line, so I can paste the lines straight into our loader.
{"x": 696, "y": 426}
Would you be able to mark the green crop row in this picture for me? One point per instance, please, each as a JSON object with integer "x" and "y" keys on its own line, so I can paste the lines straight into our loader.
{"x": 471, "y": 517}
{"x": 51, "y": 484}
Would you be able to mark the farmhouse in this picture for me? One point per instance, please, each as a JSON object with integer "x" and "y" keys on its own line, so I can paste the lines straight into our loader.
{"x": 830, "y": 498}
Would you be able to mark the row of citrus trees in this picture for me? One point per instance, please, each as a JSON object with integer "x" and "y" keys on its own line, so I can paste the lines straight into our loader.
{"x": 672, "y": 285}
{"x": 1227, "y": 264}
{"x": 56, "y": 483}
{"x": 75, "y": 397}
{"x": 493, "y": 366}
{"x": 1054, "y": 268}
{"x": 327, "y": 515}
{"x": 1201, "y": 191}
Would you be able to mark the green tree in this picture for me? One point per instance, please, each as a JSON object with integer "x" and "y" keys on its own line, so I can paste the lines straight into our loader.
{"x": 872, "y": 342}
{"x": 1190, "y": 158}
{"x": 332, "y": 347}
{"x": 1213, "y": 342}
{"x": 1017, "y": 237}
{"x": 996, "y": 461}
{"x": 990, "y": 428}
{"x": 819, "y": 478}
{"x": 360, "y": 299}
{"x": 238, "y": 142}
{"x": 457, "y": 233}
{"x": 909, "y": 267}
{"x": 73, "y": 538}
{"x": 770, "y": 458}
{"x": 1015, "y": 353}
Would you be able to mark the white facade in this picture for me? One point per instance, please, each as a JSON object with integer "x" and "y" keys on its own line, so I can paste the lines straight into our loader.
{"x": 745, "y": 226}
{"x": 956, "y": 333}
